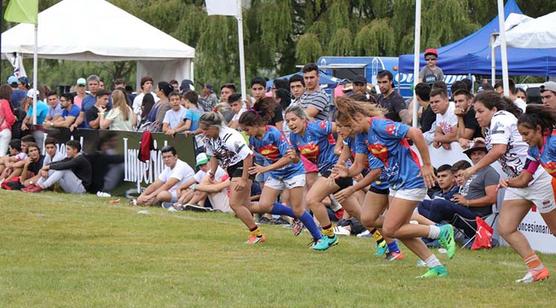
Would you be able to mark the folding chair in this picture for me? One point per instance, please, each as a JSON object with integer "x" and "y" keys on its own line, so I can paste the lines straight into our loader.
{"x": 490, "y": 219}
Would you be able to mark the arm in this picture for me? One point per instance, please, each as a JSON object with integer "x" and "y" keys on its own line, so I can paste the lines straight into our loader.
{"x": 213, "y": 188}
{"x": 23, "y": 175}
{"x": 67, "y": 122}
{"x": 493, "y": 155}
{"x": 284, "y": 161}
{"x": 77, "y": 122}
{"x": 440, "y": 136}
{"x": 344, "y": 154}
{"x": 63, "y": 164}
{"x": 103, "y": 122}
{"x": 187, "y": 184}
{"x": 151, "y": 188}
{"x": 312, "y": 111}
{"x": 165, "y": 186}
{"x": 96, "y": 122}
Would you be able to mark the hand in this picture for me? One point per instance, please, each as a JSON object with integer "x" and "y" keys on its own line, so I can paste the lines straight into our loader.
{"x": 170, "y": 132}
{"x": 504, "y": 183}
{"x": 358, "y": 177}
{"x": 459, "y": 111}
{"x": 457, "y": 198}
{"x": 27, "y": 161}
{"x": 24, "y": 127}
{"x": 467, "y": 173}
{"x": 464, "y": 143}
{"x": 343, "y": 194}
{"x": 255, "y": 169}
{"x": 43, "y": 173}
{"x": 241, "y": 183}
{"x": 292, "y": 155}
{"x": 72, "y": 127}
{"x": 428, "y": 175}
{"x": 436, "y": 144}
{"x": 101, "y": 109}
{"x": 339, "y": 171}
{"x": 446, "y": 146}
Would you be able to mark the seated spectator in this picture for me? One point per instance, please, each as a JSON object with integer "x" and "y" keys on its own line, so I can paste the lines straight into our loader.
{"x": 70, "y": 113}
{"x": 42, "y": 110}
{"x": 72, "y": 173}
{"x": 100, "y": 107}
{"x": 238, "y": 108}
{"x": 193, "y": 113}
{"x": 196, "y": 190}
{"x": 173, "y": 121}
{"x": 468, "y": 127}
{"x": 475, "y": 197}
{"x": 54, "y": 107}
{"x": 33, "y": 163}
{"x": 165, "y": 188}
{"x": 12, "y": 164}
{"x": 121, "y": 116}
{"x": 52, "y": 155}
{"x": 446, "y": 119}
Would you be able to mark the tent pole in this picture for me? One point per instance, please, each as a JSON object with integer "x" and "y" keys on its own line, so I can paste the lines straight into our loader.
{"x": 492, "y": 59}
{"x": 503, "y": 50}
{"x": 241, "y": 51}
{"x": 35, "y": 73}
{"x": 417, "y": 41}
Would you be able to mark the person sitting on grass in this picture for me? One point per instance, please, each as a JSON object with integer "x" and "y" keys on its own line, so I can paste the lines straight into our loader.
{"x": 32, "y": 164}
{"x": 52, "y": 155}
{"x": 165, "y": 188}
{"x": 12, "y": 165}
{"x": 198, "y": 189}
{"x": 73, "y": 173}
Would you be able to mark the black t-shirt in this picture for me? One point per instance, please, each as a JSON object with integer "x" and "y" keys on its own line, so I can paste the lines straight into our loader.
{"x": 427, "y": 118}
{"x": 92, "y": 114}
{"x": 394, "y": 103}
{"x": 278, "y": 117}
{"x": 36, "y": 166}
{"x": 471, "y": 123}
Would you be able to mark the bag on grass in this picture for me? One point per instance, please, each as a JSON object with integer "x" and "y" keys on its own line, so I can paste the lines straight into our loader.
{"x": 483, "y": 237}
{"x": 12, "y": 184}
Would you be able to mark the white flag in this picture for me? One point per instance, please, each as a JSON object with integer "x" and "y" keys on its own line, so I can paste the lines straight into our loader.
{"x": 16, "y": 60}
{"x": 223, "y": 7}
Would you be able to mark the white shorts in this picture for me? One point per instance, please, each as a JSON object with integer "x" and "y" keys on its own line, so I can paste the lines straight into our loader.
{"x": 414, "y": 194}
{"x": 540, "y": 193}
{"x": 220, "y": 201}
{"x": 296, "y": 181}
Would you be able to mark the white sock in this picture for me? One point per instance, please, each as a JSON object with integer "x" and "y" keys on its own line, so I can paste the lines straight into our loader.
{"x": 432, "y": 261}
{"x": 334, "y": 204}
{"x": 434, "y": 232}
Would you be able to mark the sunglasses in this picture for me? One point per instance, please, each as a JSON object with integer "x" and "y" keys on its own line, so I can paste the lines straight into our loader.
{"x": 430, "y": 59}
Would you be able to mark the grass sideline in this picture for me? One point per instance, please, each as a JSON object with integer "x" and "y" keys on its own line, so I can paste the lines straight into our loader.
{"x": 67, "y": 251}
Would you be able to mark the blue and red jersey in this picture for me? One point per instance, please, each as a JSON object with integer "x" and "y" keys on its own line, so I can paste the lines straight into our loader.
{"x": 372, "y": 163}
{"x": 546, "y": 155}
{"x": 317, "y": 145}
{"x": 386, "y": 141}
{"x": 273, "y": 146}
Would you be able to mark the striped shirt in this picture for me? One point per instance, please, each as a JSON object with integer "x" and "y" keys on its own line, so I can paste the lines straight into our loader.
{"x": 317, "y": 99}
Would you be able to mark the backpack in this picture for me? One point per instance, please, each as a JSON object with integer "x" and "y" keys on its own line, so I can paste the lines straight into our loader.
{"x": 145, "y": 146}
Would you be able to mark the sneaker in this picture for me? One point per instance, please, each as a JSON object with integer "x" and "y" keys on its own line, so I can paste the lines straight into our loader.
{"x": 339, "y": 230}
{"x": 32, "y": 188}
{"x": 365, "y": 233}
{"x": 297, "y": 227}
{"x": 395, "y": 256}
{"x": 166, "y": 205}
{"x": 437, "y": 271}
{"x": 447, "y": 241}
{"x": 280, "y": 221}
{"x": 381, "y": 249}
{"x": 133, "y": 202}
{"x": 196, "y": 208}
{"x": 176, "y": 207}
{"x": 265, "y": 220}
{"x": 534, "y": 276}
{"x": 253, "y": 239}
{"x": 102, "y": 194}
{"x": 325, "y": 242}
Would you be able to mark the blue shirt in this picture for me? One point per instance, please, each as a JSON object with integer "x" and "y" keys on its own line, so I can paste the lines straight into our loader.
{"x": 42, "y": 112}
{"x": 55, "y": 111}
{"x": 273, "y": 146}
{"x": 372, "y": 162}
{"x": 74, "y": 112}
{"x": 193, "y": 115}
{"x": 546, "y": 155}
{"x": 317, "y": 145}
{"x": 386, "y": 141}
{"x": 88, "y": 102}
{"x": 17, "y": 97}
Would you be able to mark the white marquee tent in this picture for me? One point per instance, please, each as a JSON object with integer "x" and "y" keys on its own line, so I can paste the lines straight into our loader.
{"x": 96, "y": 30}
{"x": 534, "y": 33}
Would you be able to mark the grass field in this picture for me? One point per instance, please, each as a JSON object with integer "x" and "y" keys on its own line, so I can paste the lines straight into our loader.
{"x": 62, "y": 250}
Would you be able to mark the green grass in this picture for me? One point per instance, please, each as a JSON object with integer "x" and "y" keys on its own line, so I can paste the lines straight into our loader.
{"x": 62, "y": 250}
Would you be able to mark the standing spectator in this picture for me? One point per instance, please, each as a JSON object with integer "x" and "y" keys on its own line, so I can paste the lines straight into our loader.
{"x": 521, "y": 94}
{"x": 258, "y": 85}
{"x": 146, "y": 106}
{"x": 431, "y": 73}
{"x": 359, "y": 84}
{"x": 18, "y": 95}
{"x": 297, "y": 88}
{"x": 88, "y": 102}
{"x": 7, "y": 118}
{"x": 80, "y": 93}
{"x": 193, "y": 113}
{"x": 548, "y": 94}
{"x": 238, "y": 108}
{"x": 146, "y": 88}
{"x": 391, "y": 100}
{"x": 314, "y": 100}
{"x": 69, "y": 114}
{"x": 499, "y": 88}
{"x": 208, "y": 99}
{"x": 446, "y": 119}
{"x": 468, "y": 127}
{"x": 165, "y": 189}
{"x": 54, "y": 107}
{"x": 426, "y": 116}
{"x": 226, "y": 90}
{"x": 121, "y": 116}
{"x": 100, "y": 106}
{"x": 175, "y": 85}
{"x": 173, "y": 121}
{"x": 164, "y": 90}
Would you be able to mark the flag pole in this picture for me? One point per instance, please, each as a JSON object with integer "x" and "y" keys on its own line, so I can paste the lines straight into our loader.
{"x": 417, "y": 41}
{"x": 503, "y": 50}
{"x": 35, "y": 65}
{"x": 239, "y": 18}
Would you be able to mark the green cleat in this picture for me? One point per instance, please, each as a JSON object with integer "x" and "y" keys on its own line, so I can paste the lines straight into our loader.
{"x": 437, "y": 271}
{"x": 447, "y": 241}
{"x": 381, "y": 249}
{"x": 325, "y": 242}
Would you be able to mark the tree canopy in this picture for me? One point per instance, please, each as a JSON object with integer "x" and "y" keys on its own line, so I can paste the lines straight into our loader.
{"x": 282, "y": 33}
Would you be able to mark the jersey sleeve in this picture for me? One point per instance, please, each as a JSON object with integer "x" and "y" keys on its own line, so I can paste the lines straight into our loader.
{"x": 281, "y": 142}
{"x": 237, "y": 144}
{"x": 320, "y": 127}
{"x": 374, "y": 163}
{"x": 388, "y": 129}
{"x": 360, "y": 146}
{"x": 500, "y": 130}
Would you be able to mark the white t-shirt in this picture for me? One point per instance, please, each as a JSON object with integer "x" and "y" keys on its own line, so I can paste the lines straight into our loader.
{"x": 181, "y": 171}
{"x": 503, "y": 130}
{"x": 174, "y": 118}
{"x": 229, "y": 148}
{"x": 237, "y": 115}
{"x": 138, "y": 102}
{"x": 219, "y": 176}
{"x": 57, "y": 157}
{"x": 448, "y": 121}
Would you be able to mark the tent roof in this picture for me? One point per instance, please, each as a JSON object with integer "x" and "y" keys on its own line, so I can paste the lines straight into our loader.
{"x": 535, "y": 33}
{"x": 472, "y": 54}
{"x": 93, "y": 30}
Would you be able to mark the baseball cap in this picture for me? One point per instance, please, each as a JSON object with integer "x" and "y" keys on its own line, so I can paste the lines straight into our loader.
{"x": 23, "y": 80}
{"x": 360, "y": 79}
{"x": 32, "y": 92}
{"x": 202, "y": 158}
{"x": 549, "y": 86}
{"x": 431, "y": 51}
{"x": 81, "y": 82}
{"x": 12, "y": 79}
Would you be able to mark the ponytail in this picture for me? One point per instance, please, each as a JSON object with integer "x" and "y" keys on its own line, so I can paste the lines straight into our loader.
{"x": 347, "y": 108}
